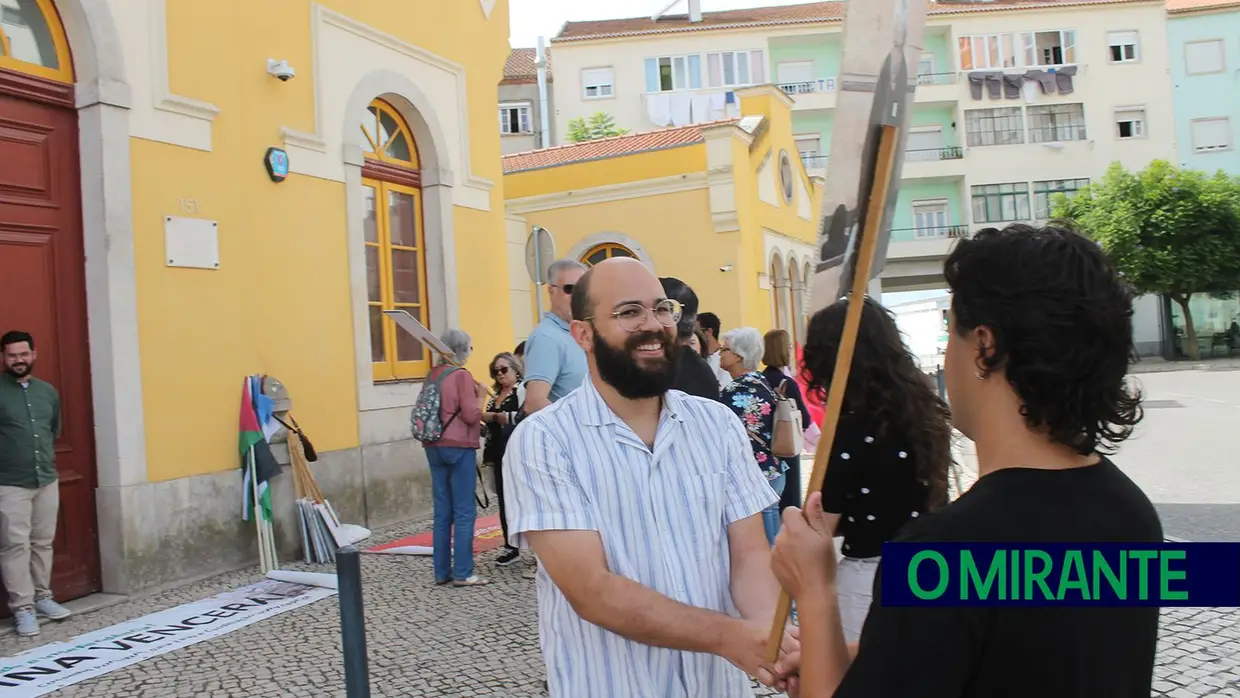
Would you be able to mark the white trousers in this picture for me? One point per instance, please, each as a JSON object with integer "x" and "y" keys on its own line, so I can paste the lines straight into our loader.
{"x": 854, "y": 582}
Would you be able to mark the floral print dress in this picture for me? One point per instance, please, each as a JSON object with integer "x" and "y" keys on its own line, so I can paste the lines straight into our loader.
{"x": 753, "y": 401}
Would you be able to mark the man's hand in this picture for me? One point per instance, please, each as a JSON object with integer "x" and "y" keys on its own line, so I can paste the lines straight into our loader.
{"x": 804, "y": 555}
{"x": 784, "y": 676}
{"x": 746, "y": 648}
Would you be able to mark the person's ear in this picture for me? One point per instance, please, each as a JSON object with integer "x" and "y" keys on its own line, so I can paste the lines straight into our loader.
{"x": 583, "y": 334}
{"x": 983, "y": 344}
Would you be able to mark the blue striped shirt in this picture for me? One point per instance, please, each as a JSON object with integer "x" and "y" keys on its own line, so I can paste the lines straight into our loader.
{"x": 662, "y": 514}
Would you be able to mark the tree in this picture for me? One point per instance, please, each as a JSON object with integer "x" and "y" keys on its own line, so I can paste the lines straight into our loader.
{"x": 1169, "y": 231}
{"x": 598, "y": 125}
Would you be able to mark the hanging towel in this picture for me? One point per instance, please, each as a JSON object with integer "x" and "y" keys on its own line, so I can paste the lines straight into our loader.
{"x": 1011, "y": 86}
{"x": 700, "y": 106}
{"x": 681, "y": 109}
{"x": 994, "y": 85}
{"x": 659, "y": 109}
{"x": 731, "y": 97}
{"x": 1044, "y": 79}
{"x": 718, "y": 104}
{"x": 1063, "y": 79}
{"x": 1029, "y": 90}
{"x": 975, "y": 84}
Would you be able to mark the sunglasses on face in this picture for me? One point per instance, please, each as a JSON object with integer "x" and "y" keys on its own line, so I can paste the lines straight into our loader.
{"x": 566, "y": 288}
{"x": 499, "y": 371}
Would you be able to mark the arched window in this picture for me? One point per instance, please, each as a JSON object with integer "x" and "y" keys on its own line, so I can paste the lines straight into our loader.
{"x": 395, "y": 242}
{"x": 604, "y": 251}
{"x": 32, "y": 40}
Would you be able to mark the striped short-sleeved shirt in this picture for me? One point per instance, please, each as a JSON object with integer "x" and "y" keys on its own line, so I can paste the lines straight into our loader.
{"x": 662, "y": 514}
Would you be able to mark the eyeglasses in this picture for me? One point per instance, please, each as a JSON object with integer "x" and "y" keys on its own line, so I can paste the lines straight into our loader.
{"x": 633, "y": 315}
{"x": 566, "y": 288}
{"x": 499, "y": 371}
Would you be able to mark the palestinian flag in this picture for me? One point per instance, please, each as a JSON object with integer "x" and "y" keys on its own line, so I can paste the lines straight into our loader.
{"x": 254, "y": 450}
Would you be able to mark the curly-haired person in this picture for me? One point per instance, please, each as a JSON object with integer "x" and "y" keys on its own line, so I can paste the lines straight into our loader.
{"x": 1039, "y": 344}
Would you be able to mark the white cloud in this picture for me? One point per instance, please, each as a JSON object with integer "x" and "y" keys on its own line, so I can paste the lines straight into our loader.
{"x": 533, "y": 18}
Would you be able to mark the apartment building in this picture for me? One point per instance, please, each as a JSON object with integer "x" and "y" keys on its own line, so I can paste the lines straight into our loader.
{"x": 1015, "y": 101}
{"x": 1203, "y": 38}
{"x": 520, "y": 110}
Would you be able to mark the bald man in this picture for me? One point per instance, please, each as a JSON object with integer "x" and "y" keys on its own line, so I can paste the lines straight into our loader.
{"x": 643, "y": 505}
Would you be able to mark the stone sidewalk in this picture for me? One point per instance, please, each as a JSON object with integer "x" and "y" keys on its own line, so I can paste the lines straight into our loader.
{"x": 428, "y": 641}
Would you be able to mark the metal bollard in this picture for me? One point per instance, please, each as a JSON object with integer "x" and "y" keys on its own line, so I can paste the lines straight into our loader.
{"x": 352, "y": 623}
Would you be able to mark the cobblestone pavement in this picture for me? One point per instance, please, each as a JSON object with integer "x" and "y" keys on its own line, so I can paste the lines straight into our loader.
{"x": 429, "y": 641}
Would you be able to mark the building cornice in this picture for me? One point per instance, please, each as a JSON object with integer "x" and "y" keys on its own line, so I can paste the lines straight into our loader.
{"x": 608, "y": 192}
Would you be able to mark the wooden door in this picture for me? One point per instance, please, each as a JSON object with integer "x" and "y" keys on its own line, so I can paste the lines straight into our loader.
{"x": 43, "y": 291}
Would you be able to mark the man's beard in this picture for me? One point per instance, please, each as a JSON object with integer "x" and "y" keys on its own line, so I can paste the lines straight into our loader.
{"x": 620, "y": 370}
{"x": 19, "y": 370}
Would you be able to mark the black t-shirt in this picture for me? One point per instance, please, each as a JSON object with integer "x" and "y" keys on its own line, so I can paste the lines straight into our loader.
{"x": 1018, "y": 652}
{"x": 694, "y": 375}
{"x": 872, "y": 484}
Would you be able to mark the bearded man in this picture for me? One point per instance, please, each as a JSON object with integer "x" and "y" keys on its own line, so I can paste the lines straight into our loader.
{"x": 643, "y": 506}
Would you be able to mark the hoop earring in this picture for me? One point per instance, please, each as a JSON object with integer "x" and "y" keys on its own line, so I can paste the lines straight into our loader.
{"x": 979, "y": 375}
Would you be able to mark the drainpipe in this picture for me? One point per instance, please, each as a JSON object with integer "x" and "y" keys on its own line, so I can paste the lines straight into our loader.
{"x": 544, "y": 117}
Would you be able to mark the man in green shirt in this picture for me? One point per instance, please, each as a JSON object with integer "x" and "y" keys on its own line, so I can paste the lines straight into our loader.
{"x": 29, "y": 488}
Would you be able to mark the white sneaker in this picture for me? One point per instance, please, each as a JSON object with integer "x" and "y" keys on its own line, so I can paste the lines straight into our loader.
{"x": 49, "y": 608}
{"x": 26, "y": 622}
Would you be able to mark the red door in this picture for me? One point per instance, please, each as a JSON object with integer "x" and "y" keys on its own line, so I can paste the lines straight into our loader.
{"x": 43, "y": 291}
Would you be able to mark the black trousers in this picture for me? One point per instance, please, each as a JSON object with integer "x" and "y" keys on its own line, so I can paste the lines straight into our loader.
{"x": 497, "y": 468}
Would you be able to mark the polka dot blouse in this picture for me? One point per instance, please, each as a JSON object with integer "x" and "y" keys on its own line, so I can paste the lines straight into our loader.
{"x": 872, "y": 484}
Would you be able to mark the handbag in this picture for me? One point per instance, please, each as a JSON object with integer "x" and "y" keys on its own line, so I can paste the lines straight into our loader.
{"x": 788, "y": 438}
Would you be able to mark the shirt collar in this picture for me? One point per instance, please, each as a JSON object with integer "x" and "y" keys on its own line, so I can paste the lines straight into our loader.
{"x": 559, "y": 321}
{"x": 596, "y": 413}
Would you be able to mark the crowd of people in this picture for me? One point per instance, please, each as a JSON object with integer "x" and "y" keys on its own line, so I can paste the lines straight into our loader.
{"x": 638, "y": 453}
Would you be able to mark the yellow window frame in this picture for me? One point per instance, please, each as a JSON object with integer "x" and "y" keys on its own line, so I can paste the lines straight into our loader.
{"x": 610, "y": 248}
{"x": 63, "y": 57}
{"x": 379, "y": 150}
{"x": 393, "y": 369}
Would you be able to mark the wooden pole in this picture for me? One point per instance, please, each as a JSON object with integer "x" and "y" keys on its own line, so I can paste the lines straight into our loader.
{"x": 255, "y": 510}
{"x": 848, "y": 343}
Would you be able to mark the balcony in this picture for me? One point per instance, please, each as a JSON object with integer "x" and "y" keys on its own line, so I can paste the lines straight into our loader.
{"x": 930, "y": 243}
{"x": 927, "y": 163}
{"x": 815, "y": 94}
{"x": 815, "y": 165}
{"x": 937, "y": 87}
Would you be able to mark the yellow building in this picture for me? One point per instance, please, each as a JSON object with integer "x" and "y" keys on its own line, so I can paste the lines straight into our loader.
{"x": 156, "y": 259}
{"x": 725, "y": 206}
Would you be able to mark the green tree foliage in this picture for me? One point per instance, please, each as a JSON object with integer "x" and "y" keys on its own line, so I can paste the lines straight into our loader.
{"x": 1169, "y": 231}
{"x": 598, "y": 125}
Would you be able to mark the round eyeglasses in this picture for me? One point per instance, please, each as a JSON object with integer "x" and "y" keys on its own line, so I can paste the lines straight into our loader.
{"x": 632, "y": 316}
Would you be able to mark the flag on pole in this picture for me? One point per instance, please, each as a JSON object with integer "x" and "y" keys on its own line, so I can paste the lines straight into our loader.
{"x": 258, "y": 465}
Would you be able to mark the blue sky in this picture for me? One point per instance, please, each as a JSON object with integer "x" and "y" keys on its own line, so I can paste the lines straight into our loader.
{"x": 531, "y": 18}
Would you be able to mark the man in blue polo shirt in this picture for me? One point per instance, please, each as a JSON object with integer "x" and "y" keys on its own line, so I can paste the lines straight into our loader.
{"x": 554, "y": 364}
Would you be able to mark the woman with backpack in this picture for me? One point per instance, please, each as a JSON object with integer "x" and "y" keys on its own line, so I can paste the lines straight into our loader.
{"x": 447, "y": 420}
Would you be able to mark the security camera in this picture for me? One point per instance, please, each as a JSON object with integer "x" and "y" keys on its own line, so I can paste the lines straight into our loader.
{"x": 726, "y": 268}
{"x": 281, "y": 70}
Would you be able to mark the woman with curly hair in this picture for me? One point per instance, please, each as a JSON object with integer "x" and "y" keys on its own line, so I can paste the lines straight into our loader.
{"x": 892, "y": 449}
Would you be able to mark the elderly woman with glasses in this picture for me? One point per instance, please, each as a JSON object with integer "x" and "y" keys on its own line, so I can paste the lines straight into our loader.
{"x": 454, "y": 465}
{"x": 753, "y": 400}
{"x": 502, "y": 413}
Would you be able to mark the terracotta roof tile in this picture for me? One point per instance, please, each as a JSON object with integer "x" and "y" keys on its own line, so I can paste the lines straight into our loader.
{"x": 616, "y": 146}
{"x": 1178, "y": 6}
{"x": 520, "y": 68}
{"x": 809, "y": 13}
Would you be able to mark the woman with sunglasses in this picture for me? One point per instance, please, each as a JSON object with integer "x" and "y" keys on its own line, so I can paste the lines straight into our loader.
{"x": 502, "y": 413}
